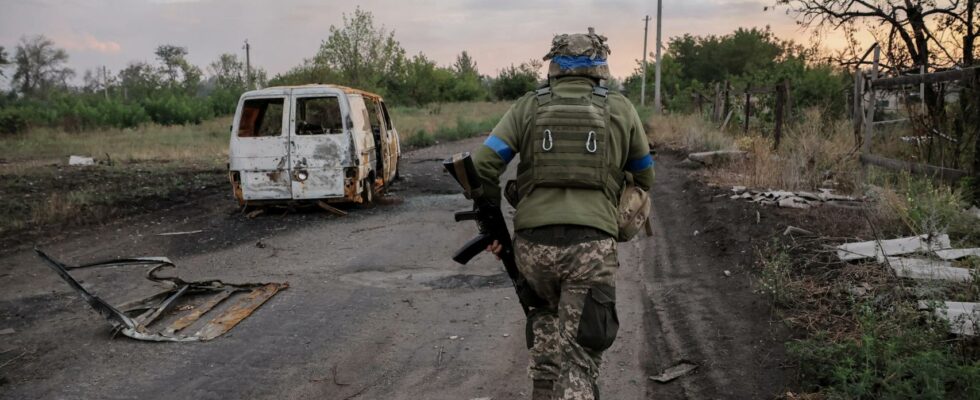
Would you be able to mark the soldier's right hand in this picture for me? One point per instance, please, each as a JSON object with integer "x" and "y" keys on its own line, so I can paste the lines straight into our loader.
{"x": 495, "y": 248}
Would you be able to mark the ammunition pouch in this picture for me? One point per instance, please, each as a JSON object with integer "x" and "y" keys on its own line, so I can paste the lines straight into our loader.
{"x": 599, "y": 324}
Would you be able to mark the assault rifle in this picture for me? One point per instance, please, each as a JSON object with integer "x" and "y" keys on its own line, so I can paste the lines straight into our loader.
{"x": 490, "y": 221}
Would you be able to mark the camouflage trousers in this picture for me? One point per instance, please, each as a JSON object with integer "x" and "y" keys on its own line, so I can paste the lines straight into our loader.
{"x": 578, "y": 322}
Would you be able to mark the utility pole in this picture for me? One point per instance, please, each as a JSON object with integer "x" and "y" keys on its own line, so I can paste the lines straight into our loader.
{"x": 643, "y": 85}
{"x": 105, "y": 82}
{"x": 248, "y": 66}
{"x": 657, "y": 108}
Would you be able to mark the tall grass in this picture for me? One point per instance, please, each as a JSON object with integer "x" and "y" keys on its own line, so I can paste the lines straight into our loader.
{"x": 206, "y": 142}
{"x": 687, "y": 132}
{"x": 424, "y": 126}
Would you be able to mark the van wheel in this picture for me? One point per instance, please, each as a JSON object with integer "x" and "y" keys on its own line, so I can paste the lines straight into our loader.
{"x": 367, "y": 191}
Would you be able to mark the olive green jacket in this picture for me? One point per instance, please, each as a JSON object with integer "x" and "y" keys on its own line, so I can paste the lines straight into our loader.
{"x": 557, "y": 206}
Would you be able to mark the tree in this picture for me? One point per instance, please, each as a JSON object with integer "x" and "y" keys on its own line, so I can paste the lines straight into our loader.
{"x": 912, "y": 33}
{"x": 465, "y": 66}
{"x": 179, "y": 72}
{"x": 228, "y": 71}
{"x": 40, "y": 66}
{"x": 514, "y": 82}
{"x": 361, "y": 54}
{"x": 4, "y": 61}
{"x": 139, "y": 80}
{"x": 468, "y": 85}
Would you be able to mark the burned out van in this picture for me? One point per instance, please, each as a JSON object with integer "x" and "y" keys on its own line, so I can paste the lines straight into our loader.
{"x": 312, "y": 142}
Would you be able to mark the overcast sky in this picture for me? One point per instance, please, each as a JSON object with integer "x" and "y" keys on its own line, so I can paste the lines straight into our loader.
{"x": 284, "y": 32}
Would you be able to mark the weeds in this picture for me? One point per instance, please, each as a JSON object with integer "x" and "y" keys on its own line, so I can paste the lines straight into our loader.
{"x": 462, "y": 130}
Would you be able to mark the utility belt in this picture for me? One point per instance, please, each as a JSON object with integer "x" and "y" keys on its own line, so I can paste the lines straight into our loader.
{"x": 562, "y": 234}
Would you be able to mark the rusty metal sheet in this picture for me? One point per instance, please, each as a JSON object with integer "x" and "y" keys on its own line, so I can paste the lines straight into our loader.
{"x": 227, "y": 320}
{"x": 139, "y": 319}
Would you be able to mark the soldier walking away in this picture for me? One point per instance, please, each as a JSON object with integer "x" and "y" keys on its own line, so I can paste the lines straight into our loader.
{"x": 579, "y": 145}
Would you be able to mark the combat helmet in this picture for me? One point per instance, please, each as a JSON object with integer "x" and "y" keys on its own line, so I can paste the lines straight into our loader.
{"x": 579, "y": 54}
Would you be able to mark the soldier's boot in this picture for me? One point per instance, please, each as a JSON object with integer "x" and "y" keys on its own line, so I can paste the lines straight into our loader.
{"x": 544, "y": 389}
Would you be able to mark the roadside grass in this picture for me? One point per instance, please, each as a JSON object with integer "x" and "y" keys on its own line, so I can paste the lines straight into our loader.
{"x": 53, "y": 196}
{"x": 420, "y": 127}
{"x": 207, "y": 142}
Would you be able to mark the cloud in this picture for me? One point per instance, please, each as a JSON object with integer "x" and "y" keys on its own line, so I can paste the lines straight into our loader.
{"x": 87, "y": 42}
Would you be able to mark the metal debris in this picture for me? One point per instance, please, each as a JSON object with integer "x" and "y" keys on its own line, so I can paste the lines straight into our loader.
{"x": 677, "y": 371}
{"x": 964, "y": 318}
{"x": 179, "y": 233}
{"x": 800, "y": 200}
{"x": 709, "y": 158}
{"x": 892, "y": 247}
{"x": 151, "y": 319}
{"x": 329, "y": 208}
{"x": 792, "y": 230}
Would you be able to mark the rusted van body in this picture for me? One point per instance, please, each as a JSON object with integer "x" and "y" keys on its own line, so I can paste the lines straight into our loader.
{"x": 312, "y": 142}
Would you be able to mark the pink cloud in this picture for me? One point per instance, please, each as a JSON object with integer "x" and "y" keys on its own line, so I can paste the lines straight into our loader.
{"x": 87, "y": 42}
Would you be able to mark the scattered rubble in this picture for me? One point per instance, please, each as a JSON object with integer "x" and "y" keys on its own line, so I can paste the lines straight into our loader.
{"x": 179, "y": 233}
{"x": 164, "y": 317}
{"x": 7, "y": 331}
{"x": 963, "y": 317}
{"x": 801, "y": 200}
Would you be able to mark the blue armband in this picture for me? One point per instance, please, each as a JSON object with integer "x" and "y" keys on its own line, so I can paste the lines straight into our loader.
{"x": 499, "y": 147}
{"x": 639, "y": 164}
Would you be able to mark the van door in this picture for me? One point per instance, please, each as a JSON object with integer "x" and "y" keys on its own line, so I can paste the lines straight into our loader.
{"x": 259, "y": 148}
{"x": 382, "y": 140}
{"x": 393, "y": 141}
{"x": 318, "y": 145}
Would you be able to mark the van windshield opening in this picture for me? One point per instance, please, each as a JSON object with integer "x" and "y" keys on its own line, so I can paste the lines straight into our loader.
{"x": 318, "y": 116}
{"x": 261, "y": 117}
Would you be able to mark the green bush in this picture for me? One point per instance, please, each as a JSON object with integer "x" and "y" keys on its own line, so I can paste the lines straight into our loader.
{"x": 897, "y": 356}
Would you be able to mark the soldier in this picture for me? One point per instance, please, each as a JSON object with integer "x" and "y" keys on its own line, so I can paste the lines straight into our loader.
{"x": 577, "y": 143}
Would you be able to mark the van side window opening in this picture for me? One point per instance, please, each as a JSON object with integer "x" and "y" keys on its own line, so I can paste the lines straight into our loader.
{"x": 384, "y": 110}
{"x": 318, "y": 116}
{"x": 261, "y": 117}
{"x": 372, "y": 108}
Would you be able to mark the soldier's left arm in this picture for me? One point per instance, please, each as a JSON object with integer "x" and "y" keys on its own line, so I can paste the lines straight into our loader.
{"x": 639, "y": 161}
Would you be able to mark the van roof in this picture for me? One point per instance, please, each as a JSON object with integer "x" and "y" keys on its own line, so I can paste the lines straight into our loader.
{"x": 345, "y": 89}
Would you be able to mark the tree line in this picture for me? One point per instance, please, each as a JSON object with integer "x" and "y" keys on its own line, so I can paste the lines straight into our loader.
{"x": 171, "y": 90}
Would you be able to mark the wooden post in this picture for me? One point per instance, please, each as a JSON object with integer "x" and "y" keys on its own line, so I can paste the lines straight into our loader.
{"x": 974, "y": 85}
{"x": 781, "y": 96}
{"x": 858, "y": 110}
{"x": 717, "y": 109}
{"x": 726, "y": 108}
{"x": 869, "y": 125}
{"x": 748, "y": 106}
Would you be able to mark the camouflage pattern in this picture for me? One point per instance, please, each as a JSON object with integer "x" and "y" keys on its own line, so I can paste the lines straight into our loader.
{"x": 562, "y": 276}
{"x": 579, "y": 44}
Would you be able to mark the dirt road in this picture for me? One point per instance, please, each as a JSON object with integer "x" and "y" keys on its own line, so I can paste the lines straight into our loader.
{"x": 377, "y": 310}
